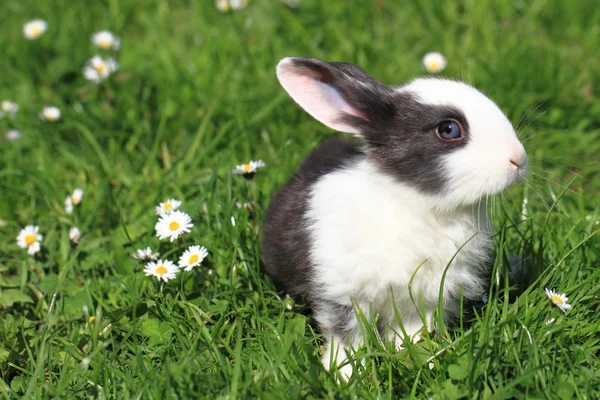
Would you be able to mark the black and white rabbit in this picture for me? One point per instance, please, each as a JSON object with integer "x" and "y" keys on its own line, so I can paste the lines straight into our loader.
{"x": 359, "y": 217}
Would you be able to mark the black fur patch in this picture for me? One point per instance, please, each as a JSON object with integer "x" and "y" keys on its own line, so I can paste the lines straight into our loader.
{"x": 408, "y": 148}
{"x": 399, "y": 129}
{"x": 339, "y": 319}
{"x": 285, "y": 251}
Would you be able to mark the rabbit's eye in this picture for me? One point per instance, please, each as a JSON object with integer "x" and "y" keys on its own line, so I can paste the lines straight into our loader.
{"x": 449, "y": 131}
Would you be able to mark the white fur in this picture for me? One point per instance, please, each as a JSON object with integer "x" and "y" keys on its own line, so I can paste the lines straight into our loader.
{"x": 483, "y": 167}
{"x": 369, "y": 233}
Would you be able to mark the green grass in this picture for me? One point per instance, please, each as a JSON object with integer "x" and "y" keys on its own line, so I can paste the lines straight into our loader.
{"x": 196, "y": 94}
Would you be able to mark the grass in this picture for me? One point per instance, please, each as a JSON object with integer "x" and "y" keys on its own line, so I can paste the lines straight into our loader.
{"x": 196, "y": 94}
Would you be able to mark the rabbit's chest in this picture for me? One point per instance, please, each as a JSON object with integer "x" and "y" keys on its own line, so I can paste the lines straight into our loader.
{"x": 367, "y": 238}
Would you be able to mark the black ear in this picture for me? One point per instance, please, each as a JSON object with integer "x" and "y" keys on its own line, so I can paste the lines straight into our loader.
{"x": 340, "y": 95}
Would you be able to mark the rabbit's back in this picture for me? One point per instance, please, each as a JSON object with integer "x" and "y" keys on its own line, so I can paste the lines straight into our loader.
{"x": 285, "y": 251}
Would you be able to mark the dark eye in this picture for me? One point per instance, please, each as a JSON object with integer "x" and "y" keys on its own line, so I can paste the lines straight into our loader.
{"x": 449, "y": 130}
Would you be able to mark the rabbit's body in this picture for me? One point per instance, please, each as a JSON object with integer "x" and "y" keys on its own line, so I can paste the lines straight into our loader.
{"x": 376, "y": 222}
{"x": 329, "y": 248}
{"x": 360, "y": 256}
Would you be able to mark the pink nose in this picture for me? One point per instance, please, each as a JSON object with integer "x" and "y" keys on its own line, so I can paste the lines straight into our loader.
{"x": 517, "y": 155}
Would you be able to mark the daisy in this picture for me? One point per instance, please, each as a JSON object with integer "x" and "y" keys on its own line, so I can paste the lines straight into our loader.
{"x": 30, "y": 239}
{"x": 164, "y": 270}
{"x": 192, "y": 257}
{"x": 76, "y": 196}
{"x": 145, "y": 254}
{"x": 8, "y": 108}
{"x": 68, "y": 205}
{"x": 97, "y": 69}
{"x": 222, "y": 5}
{"x": 238, "y": 4}
{"x": 173, "y": 225}
{"x": 247, "y": 206}
{"x": 50, "y": 114}
{"x": 559, "y": 300}
{"x": 106, "y": 40}
{"x": 248, "y": 169}
{"x": 73, "y": 200}
{"x": 74, "y": 234}
{"x": 13, "y": 134}
{"x": 434, "y": 62}
{"x": 35, "y": 28}
{"x": 167, "y": 207}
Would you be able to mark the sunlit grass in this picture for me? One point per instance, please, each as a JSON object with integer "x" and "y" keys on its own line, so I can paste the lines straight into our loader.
{"x": 195, "y": 95}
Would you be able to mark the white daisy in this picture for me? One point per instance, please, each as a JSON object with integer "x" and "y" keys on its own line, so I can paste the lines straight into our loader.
{"x": 35, "y": 28}
{"x": 68, "y": 205}
{"x": 8, "y": 108}
{"x": 222, "y": 5}
{"x": 559, "y": 300}
{"x": 74, "y": 234}
{"x": 164, "y": 270}
{"x": 13, "y": 134}
{"x": 29, "y": 238}
{"x": 167, "y": 207}
{"x": 106, "y": 40}
{"x": 238, "y": 4}
{"x": 232, "y": 221}
{"x": 248, "y": 169}
{"x": 50, "y": 114}
{"x": 434, "y": 62}
{"x": 247, "y": 206}
{"x": 145, "y": 254}
{"x": 76, "y": 196}
{"x": 192, "y": 257}
{"x": 173, "y": 225}
{"x": 97, "y": 69}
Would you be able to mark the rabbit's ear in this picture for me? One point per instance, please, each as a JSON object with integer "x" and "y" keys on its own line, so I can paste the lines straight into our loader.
{"x": 340, "y": 95}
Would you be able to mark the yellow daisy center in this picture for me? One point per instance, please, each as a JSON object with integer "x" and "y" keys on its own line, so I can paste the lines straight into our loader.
{"x": 92, "y": 318}
{"x": 434, "y": 66}
{"x": 223, "y": 5}
{"x": 104, "y": 43}
{"x": 30, "y": 239}
{"x": 161, "y": 270}
{"x": 556, "y": 299}
{"x": 75, "y": 200}
{"x": 174, "y": 226}
{"x": 247, "y": 167}
{"x": 35, "y": 30}
{"x": 193, "y": 258}
{"x": 100, "y": 68}
{"x": 168, "y": 206}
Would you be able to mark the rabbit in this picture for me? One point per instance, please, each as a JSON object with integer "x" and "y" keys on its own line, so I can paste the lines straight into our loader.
{"x": 361, "y": 218}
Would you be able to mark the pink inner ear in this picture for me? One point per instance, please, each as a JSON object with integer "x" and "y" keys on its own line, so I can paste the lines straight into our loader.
{"x": 319, "y": 99}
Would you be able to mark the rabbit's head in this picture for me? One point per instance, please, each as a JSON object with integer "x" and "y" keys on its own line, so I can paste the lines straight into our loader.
{"x": 443, "y": 138}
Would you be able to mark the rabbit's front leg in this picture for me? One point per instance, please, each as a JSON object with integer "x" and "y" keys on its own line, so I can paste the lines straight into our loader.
{"x": 413, "y": 328}
{"x": 341, "y": 329}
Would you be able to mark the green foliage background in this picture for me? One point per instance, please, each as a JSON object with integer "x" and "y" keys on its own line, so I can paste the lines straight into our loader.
{"x": 196, "y": 94}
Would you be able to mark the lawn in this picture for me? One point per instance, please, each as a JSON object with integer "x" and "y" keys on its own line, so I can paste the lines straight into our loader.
{"x": 195, "y": 95}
